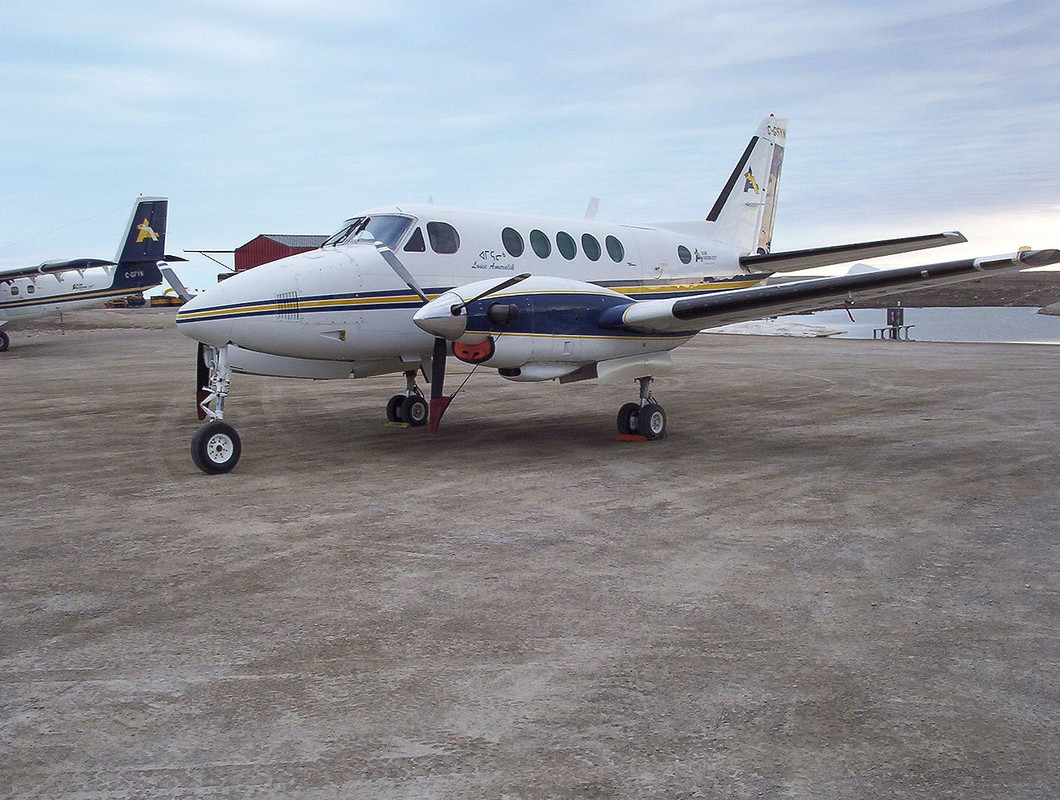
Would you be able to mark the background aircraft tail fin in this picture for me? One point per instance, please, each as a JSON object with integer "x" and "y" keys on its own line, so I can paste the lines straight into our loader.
{"x": 744, "y": 212}
{"x": 145, "y": 236}
{"x": 144, "y": 245}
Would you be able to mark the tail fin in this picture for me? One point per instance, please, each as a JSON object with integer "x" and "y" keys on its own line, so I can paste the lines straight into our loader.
{"x": 144, "y": 246}
{"x": 744, "y": 211}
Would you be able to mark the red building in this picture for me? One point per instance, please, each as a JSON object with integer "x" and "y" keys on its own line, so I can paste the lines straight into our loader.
{"x": 271, "y": 246}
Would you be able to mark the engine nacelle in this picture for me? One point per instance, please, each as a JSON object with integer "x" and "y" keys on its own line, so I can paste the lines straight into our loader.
{"x": 540, "y": 328}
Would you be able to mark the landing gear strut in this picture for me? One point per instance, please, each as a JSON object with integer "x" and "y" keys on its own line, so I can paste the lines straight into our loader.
{"x": 411, "y": 407}
{"x": 645, "y": 418}
{"x": 215, "y": 447}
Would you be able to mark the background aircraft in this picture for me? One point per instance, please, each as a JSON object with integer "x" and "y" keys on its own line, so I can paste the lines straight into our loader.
{"x": 53, "y": 286}
{"x": 401, "y": 288}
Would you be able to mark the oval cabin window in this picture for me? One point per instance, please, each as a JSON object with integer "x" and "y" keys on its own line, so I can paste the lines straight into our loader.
{"x": 591, "y": 247}
{"x": 512, "y": 241}
{"x": 540, "y": 244}
{"x": 567, "y": 248}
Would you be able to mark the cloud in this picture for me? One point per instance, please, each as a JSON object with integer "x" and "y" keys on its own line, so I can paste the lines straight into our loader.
{"x": 261, "y": 115}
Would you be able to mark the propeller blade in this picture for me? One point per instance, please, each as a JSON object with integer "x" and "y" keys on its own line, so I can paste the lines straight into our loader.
{"x": 390, "y": 257}
{"x": 202, "y": 378}
{"x": 500, "y": 287}
{"x": 438, "y": 402}
{"x": 438, "y": 366}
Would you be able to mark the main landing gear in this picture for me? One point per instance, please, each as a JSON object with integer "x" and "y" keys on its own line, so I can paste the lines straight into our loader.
{"x": 645, "y": 418}
{"x": 410, "y": 408}
{"x": 5, "y": 342}
{"x": 215, "y": 447}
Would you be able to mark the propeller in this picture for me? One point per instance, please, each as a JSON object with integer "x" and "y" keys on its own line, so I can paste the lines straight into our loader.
{"x": 500, "y": 287}
{"x": 202, "y": 378}
{"x": 439, "y": 402}
{"x": 390, "y": 257}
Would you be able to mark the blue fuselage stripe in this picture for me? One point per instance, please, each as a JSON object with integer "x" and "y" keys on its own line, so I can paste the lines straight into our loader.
{"x": 386, "y": 301}
{"x": 64, "y": 298}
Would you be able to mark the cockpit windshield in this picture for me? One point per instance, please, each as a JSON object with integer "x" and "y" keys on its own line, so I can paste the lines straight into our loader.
{"x": 385, "y": 228}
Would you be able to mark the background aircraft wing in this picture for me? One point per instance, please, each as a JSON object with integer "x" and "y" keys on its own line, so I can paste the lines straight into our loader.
{"x": 739, "y": 305}
{"x": 840, "y": 254}
{"x": 53, "y": 268}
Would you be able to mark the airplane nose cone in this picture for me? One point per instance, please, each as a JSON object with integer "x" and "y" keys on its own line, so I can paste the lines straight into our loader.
{"x": 204, "y": 317}
{"x": 438, "y": 319}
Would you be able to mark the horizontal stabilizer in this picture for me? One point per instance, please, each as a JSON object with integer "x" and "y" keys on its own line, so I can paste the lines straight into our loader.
{"x": 840, "y": 254}
{"x": 714, "y": 309}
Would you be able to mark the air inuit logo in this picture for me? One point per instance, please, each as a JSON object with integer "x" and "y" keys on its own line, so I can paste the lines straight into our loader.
{"x": 750, "y": 184}
{"x": 146, "y": 232}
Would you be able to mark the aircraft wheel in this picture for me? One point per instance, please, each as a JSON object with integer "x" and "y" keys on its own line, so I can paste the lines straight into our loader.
{"x": 627, "y": 418}
{"x": 651, "y": 421}
{"x": 393, "y": 408}
{"x": 415, "y": 411}
{"x": 5, "y": 342}
{"x": 215, "y": 447}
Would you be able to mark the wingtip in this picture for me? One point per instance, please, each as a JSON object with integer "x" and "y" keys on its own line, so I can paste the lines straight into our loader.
{"x": 1040, "y": 258}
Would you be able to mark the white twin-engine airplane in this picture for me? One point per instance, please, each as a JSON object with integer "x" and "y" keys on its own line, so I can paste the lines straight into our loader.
{"x": 535, "y": 298}
{"x": 28, "y": 292}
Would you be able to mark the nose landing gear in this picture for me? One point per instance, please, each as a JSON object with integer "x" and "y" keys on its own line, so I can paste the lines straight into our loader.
{"x": 215, "y": 447}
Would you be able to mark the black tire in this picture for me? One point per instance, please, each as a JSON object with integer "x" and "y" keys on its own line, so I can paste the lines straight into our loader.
{"x": 215, "y": 447}
{"x": 393, "y": 408}
{"x": 5, "y": 342}
{"x": 415, "y": 411}
{"x": 651, "y": 421}
{"x": 627, "y": 418}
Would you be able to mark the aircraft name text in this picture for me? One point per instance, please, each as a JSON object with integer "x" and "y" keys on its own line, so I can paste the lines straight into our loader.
{"x": 490, "y": 259}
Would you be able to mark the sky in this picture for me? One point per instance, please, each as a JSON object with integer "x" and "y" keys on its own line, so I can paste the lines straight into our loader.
{"x": 288, "y": 116}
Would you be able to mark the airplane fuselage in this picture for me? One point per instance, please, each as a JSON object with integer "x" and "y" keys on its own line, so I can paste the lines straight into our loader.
{"x": 343, "y": 302}
{"x": 27, "y": 298}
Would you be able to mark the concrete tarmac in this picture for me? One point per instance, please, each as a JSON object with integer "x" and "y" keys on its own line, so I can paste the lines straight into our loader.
{"x": 836, "y": 578}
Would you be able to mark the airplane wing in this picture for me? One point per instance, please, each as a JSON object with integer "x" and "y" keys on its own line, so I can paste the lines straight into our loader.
{"x": 53, "y": 268}
{"x": 714, "y": 309}
{"x": 840, "y": 254}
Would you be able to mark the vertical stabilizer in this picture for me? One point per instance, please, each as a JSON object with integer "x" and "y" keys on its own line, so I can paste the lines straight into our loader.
{"x": 744, "y": 211}
{"x": 144, "y": 245}
{"x": 145, "y": 236}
